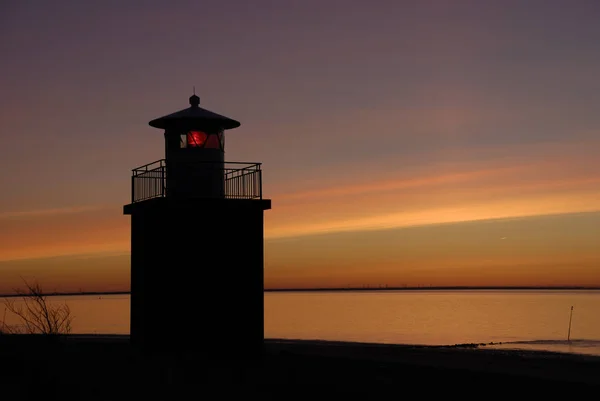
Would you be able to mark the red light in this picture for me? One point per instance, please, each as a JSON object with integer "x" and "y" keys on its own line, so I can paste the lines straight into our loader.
{"x": 196, "y": 139}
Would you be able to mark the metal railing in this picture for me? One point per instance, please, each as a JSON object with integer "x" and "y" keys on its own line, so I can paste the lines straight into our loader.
{"x": 240, "y": 180}
{"x": 149, "y": 181}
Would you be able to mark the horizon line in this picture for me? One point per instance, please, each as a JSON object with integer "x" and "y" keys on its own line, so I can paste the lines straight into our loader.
{"x": 317, "y": 289}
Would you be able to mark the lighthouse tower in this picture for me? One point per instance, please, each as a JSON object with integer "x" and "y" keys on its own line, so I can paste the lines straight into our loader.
{"x": 197, "y": 242}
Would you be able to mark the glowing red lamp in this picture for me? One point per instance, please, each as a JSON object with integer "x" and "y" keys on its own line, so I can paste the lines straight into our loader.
{"x": 195, "y": 139}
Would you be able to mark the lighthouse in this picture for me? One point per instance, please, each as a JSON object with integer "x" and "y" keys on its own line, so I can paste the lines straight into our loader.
{"x": 197, "y": 242}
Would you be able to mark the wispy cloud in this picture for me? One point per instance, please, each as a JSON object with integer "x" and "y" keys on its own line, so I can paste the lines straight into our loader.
{"x": 443, "y": 215}
{"x": 540, "y": 187}
{"x": 52, "y": 212}
{"x": 64, "y": 231}
{"x": 398, "y": 184}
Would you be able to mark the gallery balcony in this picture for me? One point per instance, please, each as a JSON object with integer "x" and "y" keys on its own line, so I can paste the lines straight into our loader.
{"x": 230, "y": 180}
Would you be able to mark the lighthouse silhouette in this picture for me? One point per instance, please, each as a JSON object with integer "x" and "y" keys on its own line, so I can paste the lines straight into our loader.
{"x": 197, "y": 243}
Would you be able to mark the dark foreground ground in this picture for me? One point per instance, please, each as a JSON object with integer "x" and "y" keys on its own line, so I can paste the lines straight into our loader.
{"x": 105, "y": 368}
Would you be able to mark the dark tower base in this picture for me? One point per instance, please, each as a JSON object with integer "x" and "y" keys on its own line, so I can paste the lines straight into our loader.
{"x": 197, "y": 276}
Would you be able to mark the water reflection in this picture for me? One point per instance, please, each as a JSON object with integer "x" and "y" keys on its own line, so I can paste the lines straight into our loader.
{"x": 517, "y": 319}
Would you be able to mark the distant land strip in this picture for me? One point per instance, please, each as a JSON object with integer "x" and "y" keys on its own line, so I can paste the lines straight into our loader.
{"x": 327, "y": 289}
{"x": 66, "y": 294}
{"x": 431, "y": 288}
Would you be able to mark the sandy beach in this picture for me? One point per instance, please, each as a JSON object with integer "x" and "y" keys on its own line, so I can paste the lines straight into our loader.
{"x": 106, "y": 368}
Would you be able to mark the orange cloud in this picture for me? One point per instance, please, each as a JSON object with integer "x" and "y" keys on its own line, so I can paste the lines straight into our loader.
{"x": 42, "y": 233}
{"x": 554, "y": 186}
{"x": 398, "y": 184}
{"x": 50, "y": 212}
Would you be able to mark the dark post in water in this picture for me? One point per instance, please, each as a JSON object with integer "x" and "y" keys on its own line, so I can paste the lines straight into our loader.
{"x": 197, "y": 243}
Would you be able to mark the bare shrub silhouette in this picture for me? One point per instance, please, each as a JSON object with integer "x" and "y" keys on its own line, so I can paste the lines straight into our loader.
{"x": 37, "y": 315}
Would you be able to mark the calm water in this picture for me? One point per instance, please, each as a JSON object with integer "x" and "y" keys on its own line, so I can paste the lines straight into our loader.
{"x": 518, "y": 319}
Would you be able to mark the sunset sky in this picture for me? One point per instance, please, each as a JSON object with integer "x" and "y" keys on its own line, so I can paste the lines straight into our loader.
{"x": 424, "y": 142}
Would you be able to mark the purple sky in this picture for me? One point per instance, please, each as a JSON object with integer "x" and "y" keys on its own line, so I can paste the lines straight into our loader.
{"x": 328, "y": 93}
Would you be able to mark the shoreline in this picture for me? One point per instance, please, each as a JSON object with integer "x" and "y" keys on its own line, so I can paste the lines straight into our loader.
{"x": 523, "y": 347}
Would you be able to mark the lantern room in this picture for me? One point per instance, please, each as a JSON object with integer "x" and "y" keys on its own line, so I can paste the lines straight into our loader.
{"x": 194, "y": 133}
{"x": 194, "y": 150}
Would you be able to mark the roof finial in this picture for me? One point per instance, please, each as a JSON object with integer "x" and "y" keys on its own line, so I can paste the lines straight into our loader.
{"x": 194, "y": 99}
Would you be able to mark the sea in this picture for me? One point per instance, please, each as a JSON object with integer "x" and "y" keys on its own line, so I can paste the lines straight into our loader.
{"x": 545, "y": 320}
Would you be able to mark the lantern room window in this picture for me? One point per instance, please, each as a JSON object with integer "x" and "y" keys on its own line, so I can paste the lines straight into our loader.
{"x": 212, "y": 142}
{"x": 196, "y": 139}
{"x": 199, "y": 139}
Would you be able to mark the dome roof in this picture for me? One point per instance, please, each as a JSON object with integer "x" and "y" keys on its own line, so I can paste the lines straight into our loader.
{"x": 194, "y": 113}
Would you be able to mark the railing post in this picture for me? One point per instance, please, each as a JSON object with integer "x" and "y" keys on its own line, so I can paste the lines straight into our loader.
{"x": 132, "y": 188}
{"x": 244, "y": 178}
{"x": 162, "y": 180}
{"x": 259, "y": 183}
